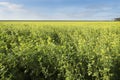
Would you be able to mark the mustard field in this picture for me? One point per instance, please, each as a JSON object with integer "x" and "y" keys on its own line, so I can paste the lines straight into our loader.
{"x": 59, "y": 50}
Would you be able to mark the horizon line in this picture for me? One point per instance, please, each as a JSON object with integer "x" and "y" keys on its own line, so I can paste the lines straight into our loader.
{"x": 56, "y": 20}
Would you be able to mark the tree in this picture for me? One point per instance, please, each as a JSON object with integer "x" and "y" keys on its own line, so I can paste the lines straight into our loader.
{"x": 117, "y": 19}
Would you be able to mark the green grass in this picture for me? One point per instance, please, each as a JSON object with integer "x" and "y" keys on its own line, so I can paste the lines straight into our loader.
{"x": 59, "y": 50}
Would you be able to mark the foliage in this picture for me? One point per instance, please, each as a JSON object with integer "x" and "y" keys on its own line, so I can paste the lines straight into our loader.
{"x": 60, "y": 51}
{"x": 117, "y": 19}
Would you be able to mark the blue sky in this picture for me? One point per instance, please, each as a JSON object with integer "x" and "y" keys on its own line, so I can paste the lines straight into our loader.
{"x": 59, "y": 9}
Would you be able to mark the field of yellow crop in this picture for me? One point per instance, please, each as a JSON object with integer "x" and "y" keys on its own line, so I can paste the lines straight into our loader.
{"x": 59, "y": 50}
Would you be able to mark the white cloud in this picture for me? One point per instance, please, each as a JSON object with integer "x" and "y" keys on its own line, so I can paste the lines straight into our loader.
{"x": 11, "y": 6}
{"x": 12, "y": 11}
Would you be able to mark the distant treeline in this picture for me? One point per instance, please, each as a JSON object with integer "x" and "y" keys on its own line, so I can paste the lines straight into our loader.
{"x": 117, "y": 19}
{"x": 56, "y": 20}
